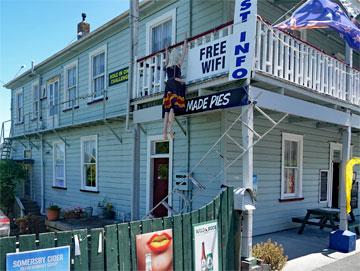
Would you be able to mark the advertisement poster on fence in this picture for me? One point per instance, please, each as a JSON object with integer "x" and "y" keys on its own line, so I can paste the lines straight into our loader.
{"x": 54, "y": 259}
{"x": 154, "y": 251}
{"x": 206, "y": 246}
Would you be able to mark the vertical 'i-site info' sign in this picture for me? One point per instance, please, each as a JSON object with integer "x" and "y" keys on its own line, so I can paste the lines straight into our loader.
{"x": 241, "y": 51}
{"x": 54, "y": 259}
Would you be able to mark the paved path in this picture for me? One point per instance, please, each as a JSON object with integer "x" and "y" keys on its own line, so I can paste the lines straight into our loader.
{"x": 351, "y": 263}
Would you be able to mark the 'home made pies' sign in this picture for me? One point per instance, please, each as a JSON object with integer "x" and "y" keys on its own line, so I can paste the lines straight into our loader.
{"x": 220, "y": 100}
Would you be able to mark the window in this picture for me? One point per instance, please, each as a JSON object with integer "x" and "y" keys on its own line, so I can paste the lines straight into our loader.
{"x": 36, "y": 100}
{"x": 19, "y": 106}
{"x": 70, "y": 86}
{"x": 89, "y": 163}
{"x": 160, "y": 32}
{"x": 59, "y": 164}
{"x": 323, "y": 189}
{"x": 53, "y": 89}
{"x": 292, "y": 155}
{"x": 27, "y": 153}
{"x": 97, "y": 72}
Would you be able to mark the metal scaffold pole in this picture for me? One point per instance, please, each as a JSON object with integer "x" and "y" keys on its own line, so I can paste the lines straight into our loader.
{"x": 135, "y": 189}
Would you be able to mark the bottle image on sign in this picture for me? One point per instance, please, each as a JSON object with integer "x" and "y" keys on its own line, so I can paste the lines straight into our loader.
{"x": 203, "y": 258}
{"x": 209, "y": 262}
{"x": 148, "y": 262}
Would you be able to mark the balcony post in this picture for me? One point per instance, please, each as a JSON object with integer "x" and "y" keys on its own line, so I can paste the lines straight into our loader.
{"x": 346, "y": 146}
{"x": 349, "y": 62}
{"x": 247, "y": 178}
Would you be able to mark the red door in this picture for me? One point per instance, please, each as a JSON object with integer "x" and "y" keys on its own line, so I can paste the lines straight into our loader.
{"x": 160, "y": 185}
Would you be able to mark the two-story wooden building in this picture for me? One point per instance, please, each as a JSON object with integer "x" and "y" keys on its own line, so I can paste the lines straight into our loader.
{"x": 69, "y": 112}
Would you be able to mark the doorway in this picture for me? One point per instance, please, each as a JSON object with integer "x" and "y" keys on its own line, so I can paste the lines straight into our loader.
{"x": 159, "y": 175}
{"x": 334, "y": 176}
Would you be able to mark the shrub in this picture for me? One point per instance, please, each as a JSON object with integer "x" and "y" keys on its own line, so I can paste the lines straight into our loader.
{"x": 271, "y": 253}
{"x": 11, "y": 173}
{"x": 54, "y": 208}
{"x": 30, "y": 224}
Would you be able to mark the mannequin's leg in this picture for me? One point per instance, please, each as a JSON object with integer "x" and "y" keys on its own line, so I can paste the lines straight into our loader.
{"x": 165, "y": 128}
{"x": 170, "y": 123}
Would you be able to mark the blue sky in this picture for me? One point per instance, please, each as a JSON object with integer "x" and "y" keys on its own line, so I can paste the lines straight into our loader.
{"x": 36, "y": 29}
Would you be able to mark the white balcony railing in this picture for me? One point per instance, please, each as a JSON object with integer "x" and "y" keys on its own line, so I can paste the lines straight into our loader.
{"x": 150, "y": 73}
{"x": 283, "y": 56}
{"x": 277, "y": 54}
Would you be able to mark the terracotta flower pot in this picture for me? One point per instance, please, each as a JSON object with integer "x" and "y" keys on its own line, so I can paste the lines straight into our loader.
{"x": 52, "y": 215}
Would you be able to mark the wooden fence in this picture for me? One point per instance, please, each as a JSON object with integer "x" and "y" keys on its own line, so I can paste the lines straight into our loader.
{"x": 119, "y": 249}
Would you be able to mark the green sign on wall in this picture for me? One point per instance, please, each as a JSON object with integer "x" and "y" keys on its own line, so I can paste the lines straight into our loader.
{"x": 118, "y": 76}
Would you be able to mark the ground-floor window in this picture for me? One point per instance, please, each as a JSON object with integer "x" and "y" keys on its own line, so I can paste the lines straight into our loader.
{"x": 291, "y": 164}
{"x": 59, "y": 164}
{"x": 89, "y": 163}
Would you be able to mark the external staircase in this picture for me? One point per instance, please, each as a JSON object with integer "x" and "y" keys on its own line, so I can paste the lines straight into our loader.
{"x": 30, "y": 207}
{"x": 5, "y": 141}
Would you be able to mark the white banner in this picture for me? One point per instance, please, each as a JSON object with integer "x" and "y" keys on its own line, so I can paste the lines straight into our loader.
{"x": 206, "y": 254}
{"x": 207, "y": 60}
{"x": 241, "y": 51}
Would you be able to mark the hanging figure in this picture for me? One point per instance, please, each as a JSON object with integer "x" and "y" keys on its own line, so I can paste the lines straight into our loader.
{"x": 174, "y": 96}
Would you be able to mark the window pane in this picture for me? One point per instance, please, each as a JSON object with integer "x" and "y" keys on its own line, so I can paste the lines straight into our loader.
{"x": 89, "y": 152}
{"x": 90, "y": 175}
{"x": 161, "y": 147}
{"x": 161, "y": 36}
{"x": 99, "y": 86}
{"x": 291, "y": 153}
{"x": 290, "y": 180}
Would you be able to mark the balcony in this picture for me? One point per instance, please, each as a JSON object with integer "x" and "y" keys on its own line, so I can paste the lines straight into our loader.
{"x": 278, "y": 55}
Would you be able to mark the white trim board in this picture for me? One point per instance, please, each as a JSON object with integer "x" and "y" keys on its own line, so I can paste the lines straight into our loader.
{"x": 298, "y": 107}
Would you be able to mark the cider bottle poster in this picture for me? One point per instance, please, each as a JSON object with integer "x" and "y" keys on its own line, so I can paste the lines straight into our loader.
{"x": 206, "y": 246}
{"x": 154, "y": 251}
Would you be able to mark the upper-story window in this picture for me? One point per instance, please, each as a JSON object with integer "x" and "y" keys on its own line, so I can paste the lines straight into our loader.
{"x": 160, "y": 32}
{"x": 97, "y": 60}
{"x": 19, "y": 100}
{"x": 53, "y": 95}
{"x": 35, "y": 100}
{"x": 71, "y": 94}
{"x": 292, "y": 159}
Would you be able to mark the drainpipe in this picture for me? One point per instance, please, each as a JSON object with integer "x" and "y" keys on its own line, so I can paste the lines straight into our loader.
{"x": 134, "y": 33}
{"x": 135, "y": 188}
{"x": 42, "y": 176}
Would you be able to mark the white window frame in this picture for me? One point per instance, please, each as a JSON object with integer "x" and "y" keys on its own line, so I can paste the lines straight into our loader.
{"x": 151, "y": 140}
{"x": 83, "y": 182}
{"x": 298, "y": 186}
{"x": 327, "y": 185}
{"x": 69, "y": 66}
{"x": 60, "y": 142}
{"x": 35, "y": 114}
{"x": 92, "y": 54}
{"x": 17, "y": 108}
{"x": 157, "y": 21}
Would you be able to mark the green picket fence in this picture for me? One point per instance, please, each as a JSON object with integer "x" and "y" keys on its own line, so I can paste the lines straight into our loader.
{"x": 119, "y": 249}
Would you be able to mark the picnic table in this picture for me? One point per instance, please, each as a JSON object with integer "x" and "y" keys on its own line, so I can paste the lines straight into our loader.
{"x": 324, "y": 218}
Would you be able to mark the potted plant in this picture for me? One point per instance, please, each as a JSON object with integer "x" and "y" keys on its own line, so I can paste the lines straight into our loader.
{"x": 53, "y": 212}
{"x": 109, "y": 213}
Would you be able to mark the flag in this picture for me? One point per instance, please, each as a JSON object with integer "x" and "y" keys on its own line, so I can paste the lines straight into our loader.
{"x": 323, "y": 14}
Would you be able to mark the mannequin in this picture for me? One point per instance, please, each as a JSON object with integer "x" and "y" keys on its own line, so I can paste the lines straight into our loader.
{"x": 174, "y": 96}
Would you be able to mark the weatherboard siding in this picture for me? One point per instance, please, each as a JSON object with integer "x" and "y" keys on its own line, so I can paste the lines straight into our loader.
{"x": 270, "y": 214}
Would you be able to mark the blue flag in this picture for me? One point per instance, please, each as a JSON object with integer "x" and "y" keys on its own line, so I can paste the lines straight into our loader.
{"x": 323, "y": 14}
